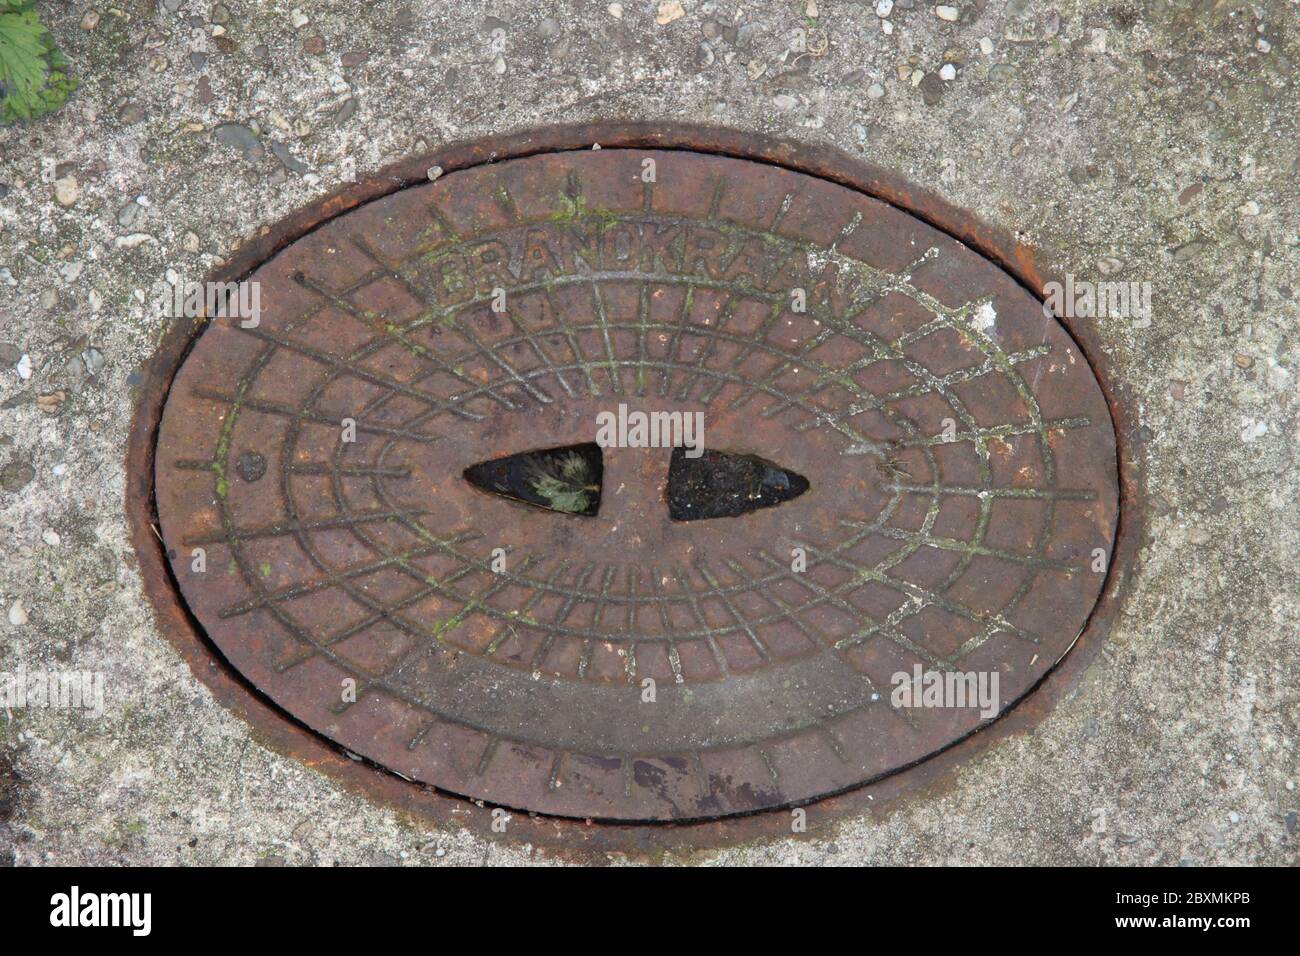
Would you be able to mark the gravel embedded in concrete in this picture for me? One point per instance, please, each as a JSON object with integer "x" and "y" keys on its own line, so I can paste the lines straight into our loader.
{"x": 1154, "y": 137}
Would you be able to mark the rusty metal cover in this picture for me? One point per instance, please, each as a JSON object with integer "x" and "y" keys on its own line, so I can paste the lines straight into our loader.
{"x": 959, "y": 510}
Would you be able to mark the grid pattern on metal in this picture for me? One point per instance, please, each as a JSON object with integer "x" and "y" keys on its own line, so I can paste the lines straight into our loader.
{"x": 960, "y": 454}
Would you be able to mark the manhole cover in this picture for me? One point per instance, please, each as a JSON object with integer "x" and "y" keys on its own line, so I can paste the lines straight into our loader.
{"x": 390, "y": 507}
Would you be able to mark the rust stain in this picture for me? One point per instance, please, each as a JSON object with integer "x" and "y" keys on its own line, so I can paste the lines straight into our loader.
{"x": 658, "y": 788}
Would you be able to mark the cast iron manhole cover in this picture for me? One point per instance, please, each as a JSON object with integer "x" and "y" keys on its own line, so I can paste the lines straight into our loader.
{"x": 908, "y": 469}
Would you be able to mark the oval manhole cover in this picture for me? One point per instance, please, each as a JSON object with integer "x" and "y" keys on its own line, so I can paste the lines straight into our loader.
{"x": 412, "y": 541}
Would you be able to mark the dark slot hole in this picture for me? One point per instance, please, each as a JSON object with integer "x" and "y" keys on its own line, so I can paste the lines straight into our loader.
{"x": 564, "y": 479}
{"x": 721, "y": 484}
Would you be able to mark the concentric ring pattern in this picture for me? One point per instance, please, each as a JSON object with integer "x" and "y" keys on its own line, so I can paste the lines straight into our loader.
{"x": 625, "y": 666}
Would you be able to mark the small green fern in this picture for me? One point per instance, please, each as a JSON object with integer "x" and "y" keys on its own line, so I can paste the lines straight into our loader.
{"x": 566, "y": 486}
{"x": 33, "y": 73}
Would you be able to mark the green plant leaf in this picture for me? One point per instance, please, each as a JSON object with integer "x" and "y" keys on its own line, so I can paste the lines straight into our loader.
{"x": 33, "y": 80}
{"x": 566, "y": 491}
